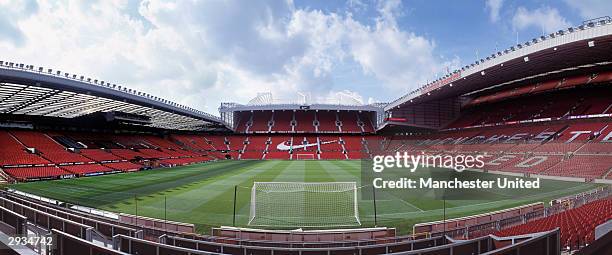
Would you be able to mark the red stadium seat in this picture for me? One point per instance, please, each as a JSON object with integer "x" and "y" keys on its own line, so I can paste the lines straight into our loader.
{"x": 23, "y": 173}
{"x": 577, "y": 225}
{"x": 49, "y": 148}
{"x": 282, "y": 121}
{"x": 123, "y": 166}
{"x": 13, "y": 153}
{"x": 304, "y": 121}
{"x": 327, "y": 121}
{"x": 85, "y": 169}
{"x": 99, "y": 155}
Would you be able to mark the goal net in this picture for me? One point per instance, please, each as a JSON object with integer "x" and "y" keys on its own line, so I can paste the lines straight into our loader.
{"x": 305, "y": 156}
{"x": 302, "y": 204}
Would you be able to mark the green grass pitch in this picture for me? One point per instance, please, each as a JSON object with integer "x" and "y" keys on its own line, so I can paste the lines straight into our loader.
{"x": 203, "y": 194}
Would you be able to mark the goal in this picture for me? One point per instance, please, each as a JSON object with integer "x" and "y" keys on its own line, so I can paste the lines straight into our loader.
{"x": 305, "y": 156}
{"x": 304, "y": 204}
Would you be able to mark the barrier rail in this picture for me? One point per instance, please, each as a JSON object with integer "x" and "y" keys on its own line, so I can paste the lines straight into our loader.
{"x": 47, "y": 220}
{"x": 313, "y": 248}
{"x": 13, "y": 219}
{"x": 105, "y": 228}
{"x": 67, "y": 244}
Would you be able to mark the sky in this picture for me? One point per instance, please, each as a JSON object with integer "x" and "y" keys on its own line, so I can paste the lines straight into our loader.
{"x": 202, "y": 53}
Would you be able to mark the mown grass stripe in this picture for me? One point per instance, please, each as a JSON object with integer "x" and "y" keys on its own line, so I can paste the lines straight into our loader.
{"x": 203, "y": 193}
{"x": 316, "y": 171}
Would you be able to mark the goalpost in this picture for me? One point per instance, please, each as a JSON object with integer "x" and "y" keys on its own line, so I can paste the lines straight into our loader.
{"x": 304, "y": 204}
{"x": 309, "y": 156}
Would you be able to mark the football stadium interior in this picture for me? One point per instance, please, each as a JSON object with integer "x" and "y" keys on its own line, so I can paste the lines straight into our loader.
{"x": 104, "y": 169}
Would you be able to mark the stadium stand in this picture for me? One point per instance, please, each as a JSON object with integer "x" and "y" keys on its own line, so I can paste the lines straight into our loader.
{"x": 128, "y": 154}
{"x": 48, "y": 148}
{"x": 367, "y": 126}
{"x": 304, "y": 121}
{"x": 548, "y": 117}
{"x": 185, "y": 161}
{"x": 86, "y": 169}
{"x": 14, "y": 153}
{"x": 123, "y": 166}
{"x": 152, "y": 153}
{"x": 282, "y": 121}
{"x": 502, "y": 107}
{"x": 261, "y": 121}
{"x": 572, "y": 148}
{"x": 36, "y": 173}
{"x": 255, "y": 148}
{"x": 218, "y": 142}
{"x": 591, "y": 167}
{"x": 349, "y": 122}
{"x": 577, "y": 225}
{"x": 235, "y": 143}
{"x": 193, "y": 142}
{"x": 327, "y": 121}
{"x": 244, "y": 122}
{"x": 99, "y": 155}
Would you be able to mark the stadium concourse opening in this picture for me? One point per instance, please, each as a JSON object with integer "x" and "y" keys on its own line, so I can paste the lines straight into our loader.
{"x": 92, "y": 167}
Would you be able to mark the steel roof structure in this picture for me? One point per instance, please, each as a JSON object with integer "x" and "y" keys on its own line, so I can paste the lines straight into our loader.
{"x": 588, "y": 45}
{"x": 29, "y": 90}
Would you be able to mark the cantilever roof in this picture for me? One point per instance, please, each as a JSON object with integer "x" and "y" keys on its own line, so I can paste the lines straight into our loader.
{"x": 32, "y": 91}
{"x": 233, "y": 107}
{"x": 584, "y": 46}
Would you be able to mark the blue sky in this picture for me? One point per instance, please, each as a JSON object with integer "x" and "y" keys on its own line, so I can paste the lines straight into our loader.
{"x": 202, "y": 53}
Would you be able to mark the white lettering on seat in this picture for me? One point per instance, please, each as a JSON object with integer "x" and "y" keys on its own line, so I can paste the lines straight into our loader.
{"x": 532, "y": 161}
{"x": 500, "y": 160}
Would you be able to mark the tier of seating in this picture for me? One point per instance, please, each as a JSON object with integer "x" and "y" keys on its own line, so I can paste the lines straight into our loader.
{"x": 275, "y": 146}
{"x": 31, "y": 155}
{"x": 128, "y": 154}
{"x": 123, "y": 166}
{"x": 327, "y": 121}
{"x": 153, "y": 153}
{"x": 14, "y": 153}
{"x": 85, "y": 169}
{"x": 184, "y": 161}
{"x": 38, "y": 172}
{"x": 577, "y": 225}
{"x": 572, "y": 148}
{"x": 560, "y": 148}
{"x": 303, "y": 122}
{"x": 285, "y": 147}
{"x": 349, "y": 121}
{"x": 504, "y": 107}
{"x": 99, "y": 155}
{"x": 583, "y": 166}
{"x": 282, "y": 121}
{"x": 260, "y": 121}
{"x": 47, "y": 147}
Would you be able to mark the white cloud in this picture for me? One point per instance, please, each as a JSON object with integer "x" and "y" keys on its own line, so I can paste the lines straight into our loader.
{"x": 344, "y": 97}
{"x": 356, "y": 5}
{"x": 203, "y": 53}
{"x": 590, "y": 9}
{"x": 9, "y": 31}
{"x": 546, "y": 19}
{"x": 494, "y": 7}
